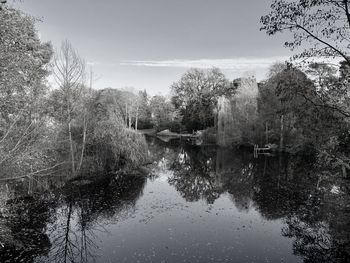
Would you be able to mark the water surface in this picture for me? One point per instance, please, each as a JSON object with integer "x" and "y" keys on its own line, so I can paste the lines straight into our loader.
{"x": 199, "y": 204}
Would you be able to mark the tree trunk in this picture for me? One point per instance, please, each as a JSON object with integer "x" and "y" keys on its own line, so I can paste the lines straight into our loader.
{"x": 71, "y": 147}
{"x": 83, "y": 146}
{"x": 344, "y": 171}
{"x": 216, "y": 117}
{"x": 126, "y": 114}
{"x": 66, "y": 236}
{"x": 136, "y": 117}
{"x": 267, "y": 132}
{"x": 70, "y": 138}
{"x": 282, "y": 132}
{"x": 130, "y": 118}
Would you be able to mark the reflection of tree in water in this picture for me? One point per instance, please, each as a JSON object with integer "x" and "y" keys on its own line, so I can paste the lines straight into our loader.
{"x": 282, "y": 184}
{"x": 321, "y": 227}
{"x": 315, "y": 218}
{"x": 193, "y": 174}
{"x": 63, "y": 226}
{"x": 207, "y": 172}
{"x": 281, "y": 187}
{"x": 162, "y": 154}
{"x": 25, "y": 219}
{"x": 76, "y": 227}
{"x": 236, "y": 171}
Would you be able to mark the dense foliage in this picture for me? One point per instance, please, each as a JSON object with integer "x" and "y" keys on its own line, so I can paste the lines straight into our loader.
{"x": 320, "y": 26}
{"x": 195, "y": 95}
{"x": 23, "y": 67}
{"x": 68, "y": 128}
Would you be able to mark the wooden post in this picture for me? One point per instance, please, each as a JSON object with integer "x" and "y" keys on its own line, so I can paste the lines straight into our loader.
{"x": 256, "y": 151}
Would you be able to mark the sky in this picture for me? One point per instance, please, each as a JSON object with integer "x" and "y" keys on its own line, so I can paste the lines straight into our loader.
{"x": 149, "y": 44}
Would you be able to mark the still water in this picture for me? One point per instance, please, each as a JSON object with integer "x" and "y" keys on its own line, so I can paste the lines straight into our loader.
{"x": 197, "y": 204}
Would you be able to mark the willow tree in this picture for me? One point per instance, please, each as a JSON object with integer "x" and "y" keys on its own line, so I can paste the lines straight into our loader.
{"x": 69, "y": 71}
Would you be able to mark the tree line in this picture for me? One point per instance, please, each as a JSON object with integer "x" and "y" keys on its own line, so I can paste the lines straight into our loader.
{"x": 299, "y": 106}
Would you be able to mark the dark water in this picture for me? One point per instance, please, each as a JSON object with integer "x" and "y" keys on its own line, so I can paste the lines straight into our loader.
{"x": 200, "y": 204}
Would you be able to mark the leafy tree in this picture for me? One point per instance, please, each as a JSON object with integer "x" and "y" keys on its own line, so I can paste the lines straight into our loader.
{"x": 322, "y": 26}
{"x": 23, "y": 68}
{"x": 130, "y": 102}
{"x": 23, "y": 65}
{"x": 144, "y": 112}
{"x": 163, "y": 112}
{"x": 279, "y": 102}
{"x": 276, "y": 68}
{"x": 292, "y": 95}
{"x": 196, "y": 95}
{"x": 133, "y": 107}
{"x": 323, "y": 74}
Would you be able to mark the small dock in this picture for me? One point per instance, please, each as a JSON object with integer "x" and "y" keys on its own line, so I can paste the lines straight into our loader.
{"x": 262, "y": 150}
{"x": 167, "y": 135}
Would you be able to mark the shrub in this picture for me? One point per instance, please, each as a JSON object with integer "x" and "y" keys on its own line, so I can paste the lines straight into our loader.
{"x": 115, "y": 146}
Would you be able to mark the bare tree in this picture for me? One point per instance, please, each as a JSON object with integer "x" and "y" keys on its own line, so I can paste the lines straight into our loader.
{"x": 69, "y": 71}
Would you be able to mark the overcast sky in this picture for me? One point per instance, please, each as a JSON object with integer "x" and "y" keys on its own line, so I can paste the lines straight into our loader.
{"x": 148, "y": 44}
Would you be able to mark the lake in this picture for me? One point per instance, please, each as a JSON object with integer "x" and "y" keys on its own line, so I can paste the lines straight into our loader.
{"x": 198, "y": 204}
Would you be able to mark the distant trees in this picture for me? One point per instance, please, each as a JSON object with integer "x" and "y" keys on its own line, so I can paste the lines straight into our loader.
{"x": 144, "y": 111}
{"x": 138, "y": 110}
{"x": 287, "y": 109}
{"x": 163, "y": 114}
{"x": 195, "y": 95}
{"x": 131, "y": 106}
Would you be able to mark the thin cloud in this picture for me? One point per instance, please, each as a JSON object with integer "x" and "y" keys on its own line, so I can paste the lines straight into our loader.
{"x": 235, "y": 64}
